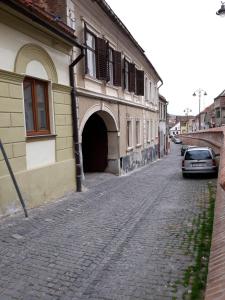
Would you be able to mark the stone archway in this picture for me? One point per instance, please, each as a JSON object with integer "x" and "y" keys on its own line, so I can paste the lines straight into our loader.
{"x": 99, "y": 137}
{"x": 95, "y": 145}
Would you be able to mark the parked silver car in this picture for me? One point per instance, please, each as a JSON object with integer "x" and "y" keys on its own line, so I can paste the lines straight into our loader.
{"x": 176, "y": 140}
{"x": 199, "y": 160}
{"x": 184, "y": 148}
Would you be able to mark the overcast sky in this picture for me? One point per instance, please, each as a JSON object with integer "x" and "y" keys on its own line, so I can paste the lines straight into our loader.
{"x": 185, "y": 41}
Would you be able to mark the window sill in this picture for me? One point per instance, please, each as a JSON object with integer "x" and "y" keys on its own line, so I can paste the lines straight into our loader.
{"x": 93, "y": 79}
{"x": 127, "y": 92}
{"x": 110, "y": 85}
{"x": 130, "y": 149}
{"x": 40, "y": 137}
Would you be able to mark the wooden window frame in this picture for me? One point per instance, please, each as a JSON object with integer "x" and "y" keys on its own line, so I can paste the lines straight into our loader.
{"x": 101, "y": 59}
{"x": 148, "y": 138}
{"x": 138, "y": 132}
{"x": 117, "y": 80}
{"x": 126, "y": 74}
{"x": 37, "y": 131}
{"x": 129, "y": 134}
{"x": 146, "y": 90}
{"x": 132, "y": 78}
{"x": 111, "y": 65}
{"x": 88, "y": 48}
{"x": 151, "y": 130}
{"x": 139, "y": 82}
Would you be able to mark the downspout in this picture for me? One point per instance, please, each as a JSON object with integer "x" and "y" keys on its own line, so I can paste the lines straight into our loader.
{"x": 75, "y": 120}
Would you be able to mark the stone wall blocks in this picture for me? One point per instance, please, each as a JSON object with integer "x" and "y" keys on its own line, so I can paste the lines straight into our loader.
{"x": 17, "y": 119}
{"x": 62, "y": 109}
{"x": 4, "y": 89}
{"x": 69, "y": 142}
{"x": 3, "y": 169}
{"x": 64, "y": 131}
{"x": 12, "y": 134}
{"x": 15, "y": 91}
{"x": 11, "y": 105}
{"x": 19, "y": 149}
{"x": 64, "y": 154}
{"x": 61, "y": 143}
{"x": 9, "y": 151}
{"x": 58, "y": 98}
{"x": 67, "y": 99}
{"x": 68, "y": 119}
{"x": 60, "y": 120}
{"x": 5, "y": 120}
{"x": 17, "y": 164}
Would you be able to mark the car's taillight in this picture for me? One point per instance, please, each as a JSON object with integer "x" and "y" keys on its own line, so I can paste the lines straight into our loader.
{"x": 214, "y": 162}
{"x": 182, "y": 163}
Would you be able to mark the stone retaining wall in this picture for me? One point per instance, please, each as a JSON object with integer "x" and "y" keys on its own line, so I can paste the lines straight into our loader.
{"x": 216, "y": 273}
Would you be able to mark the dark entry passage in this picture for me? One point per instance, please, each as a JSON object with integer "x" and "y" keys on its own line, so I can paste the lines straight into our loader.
{"x": 95, "y": 145}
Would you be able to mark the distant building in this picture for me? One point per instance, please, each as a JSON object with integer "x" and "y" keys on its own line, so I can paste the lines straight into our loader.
{"x": 219, "y": 107}
{"x": 171, "y": 120}
{"x": 175, "y": 130}
{"x": 208, "y": 117}
{"x": 163, "y": 132}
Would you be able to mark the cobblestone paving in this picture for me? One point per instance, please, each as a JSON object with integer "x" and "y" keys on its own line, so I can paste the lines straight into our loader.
{"x": 120, "y": 239}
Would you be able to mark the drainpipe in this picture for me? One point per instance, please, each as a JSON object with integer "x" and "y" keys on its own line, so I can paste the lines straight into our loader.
{"x": 75, "y": 119}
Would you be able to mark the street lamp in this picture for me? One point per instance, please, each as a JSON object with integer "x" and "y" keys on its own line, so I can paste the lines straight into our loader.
{"x": 221, "y": 11}
{"x": 187, "y": 111}
{"x": 199, "y": 91}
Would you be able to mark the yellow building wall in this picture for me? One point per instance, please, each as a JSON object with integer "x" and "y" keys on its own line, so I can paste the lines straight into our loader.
{"x": 41, "y": 184}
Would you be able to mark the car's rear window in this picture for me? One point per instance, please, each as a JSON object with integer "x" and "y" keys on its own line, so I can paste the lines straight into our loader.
{"x": 198, "y": 154}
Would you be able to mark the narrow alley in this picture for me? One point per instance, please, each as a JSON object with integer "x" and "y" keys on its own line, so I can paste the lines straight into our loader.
{"x": 120, "y": 239}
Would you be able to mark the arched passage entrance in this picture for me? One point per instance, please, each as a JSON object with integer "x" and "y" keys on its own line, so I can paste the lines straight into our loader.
{"x": 95, "y": 145}
{"x": 100, "y": 141}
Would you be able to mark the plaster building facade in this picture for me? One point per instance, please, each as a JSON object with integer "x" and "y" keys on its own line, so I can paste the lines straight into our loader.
{"x": 175, "y": 130}
{"x": 114, "y": 118}
{"x": 117, "y": 89}
{"x": 163, "y": 126}
{"x": 219, "y": 107}
{"x": 35, "y": 105}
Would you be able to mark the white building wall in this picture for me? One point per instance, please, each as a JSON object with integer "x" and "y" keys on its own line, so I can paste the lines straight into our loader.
{"x": 14, "y": 40}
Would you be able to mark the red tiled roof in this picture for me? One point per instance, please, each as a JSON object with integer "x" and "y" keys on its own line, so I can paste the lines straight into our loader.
{"x": 38, "y": 7}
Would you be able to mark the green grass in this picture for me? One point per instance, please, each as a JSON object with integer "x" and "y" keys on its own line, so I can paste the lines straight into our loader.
{"x": 195, "y": 276}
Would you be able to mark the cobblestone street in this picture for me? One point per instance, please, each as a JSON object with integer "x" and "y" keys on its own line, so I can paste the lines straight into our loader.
{"x": 120, "y": 239}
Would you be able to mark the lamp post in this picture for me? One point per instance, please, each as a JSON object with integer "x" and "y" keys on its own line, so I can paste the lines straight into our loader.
{"x": 187, "y": 111}
{"x": 221, "y": 11}
{"x": 199, "y": 92}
